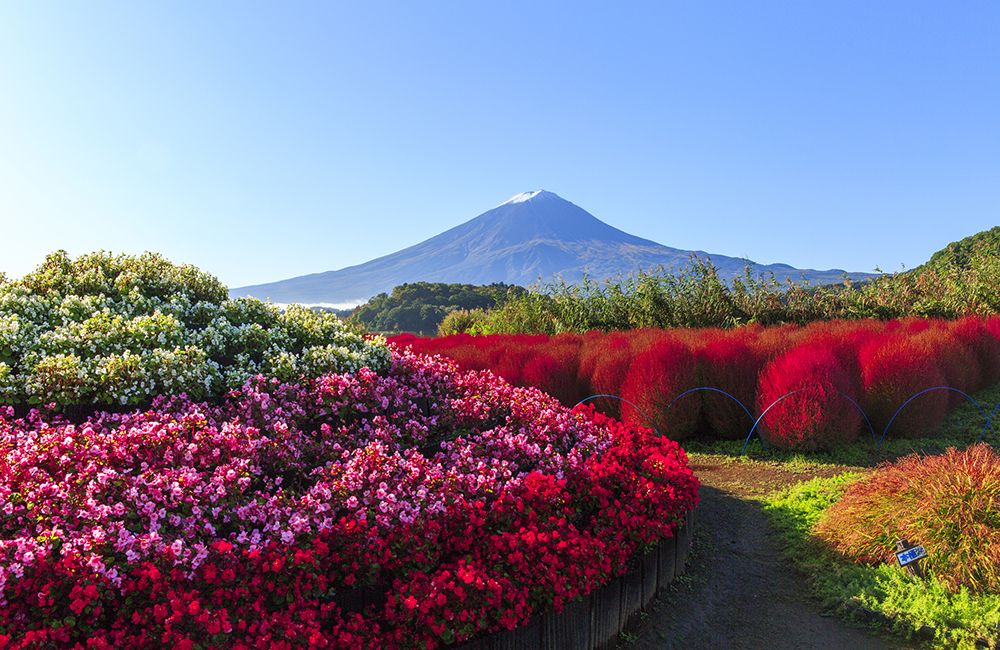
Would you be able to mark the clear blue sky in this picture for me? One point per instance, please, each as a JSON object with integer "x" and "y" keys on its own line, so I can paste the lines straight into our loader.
{"x": 263, "y": 141}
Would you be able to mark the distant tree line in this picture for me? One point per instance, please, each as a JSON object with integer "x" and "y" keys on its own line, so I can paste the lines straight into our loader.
{"x": 963, "y": 278}
{"x": 420, "y": 307}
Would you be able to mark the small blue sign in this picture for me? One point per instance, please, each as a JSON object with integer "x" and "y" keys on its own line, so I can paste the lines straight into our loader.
{"x": 911, "y": 555}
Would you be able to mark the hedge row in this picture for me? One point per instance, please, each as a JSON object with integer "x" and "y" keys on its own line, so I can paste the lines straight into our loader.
{"x": 877, "y": 364}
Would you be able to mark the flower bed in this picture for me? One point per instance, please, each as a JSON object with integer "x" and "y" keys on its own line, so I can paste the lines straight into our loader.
{"x": 414, "y": 508}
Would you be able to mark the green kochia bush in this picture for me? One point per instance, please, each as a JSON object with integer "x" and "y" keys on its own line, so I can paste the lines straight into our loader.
{"x": 121, "y": 329}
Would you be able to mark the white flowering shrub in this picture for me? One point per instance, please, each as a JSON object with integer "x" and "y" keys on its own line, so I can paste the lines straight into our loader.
{"x": 118, "y": 329}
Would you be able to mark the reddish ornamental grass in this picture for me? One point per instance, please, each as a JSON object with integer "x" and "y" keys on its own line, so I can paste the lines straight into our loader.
{"x": 769, "y": 342}
{"x": 554, "y": 370}
{"x": 609, "y": 366}
{"x": 949, "y": 503}
{"x": 730, "y": 365}
{"x": 958, "y": 363}
{"x": 975, "y": 334}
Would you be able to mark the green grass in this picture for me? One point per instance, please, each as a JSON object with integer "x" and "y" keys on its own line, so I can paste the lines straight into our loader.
{"x": 913, "y": 607}
{"x": 962, "y": 428}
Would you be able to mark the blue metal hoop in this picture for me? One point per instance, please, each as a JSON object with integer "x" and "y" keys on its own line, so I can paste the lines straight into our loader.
{"x": 717, "y": 390}
{"x": 989, "y": 420}
{"x": 622, "y": 399}
{"x": 927, "y": 390}
{"x": 755, "y": 424}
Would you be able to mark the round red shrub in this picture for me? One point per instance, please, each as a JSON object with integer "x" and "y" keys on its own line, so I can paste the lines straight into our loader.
{"x": 728, "y": 364}
{"x": 770, "y": 342}
{"x": 894, "y": 369}
{"x": 816, "y": 415}
{"x": 975, "y": 333}
{"x": 915, "y": 325}
{"x": 958, "y": 363}
{"x": 608, "y": 361}
{"x": 590, "y": 341}
{"x": 656, "y": 376}
{"x": 509, "y": 362}
{"x": 553, "y": 369}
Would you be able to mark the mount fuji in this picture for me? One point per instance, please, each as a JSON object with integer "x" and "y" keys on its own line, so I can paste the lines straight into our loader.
{"x": 530, "y": 237}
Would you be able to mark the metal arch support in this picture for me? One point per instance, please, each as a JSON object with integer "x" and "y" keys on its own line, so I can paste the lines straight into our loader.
{"x": 622, "y": 399}
{"x": 755, "y": 424}
{"x": 927, "y": 390}
{"x": 989, "y": 421}
{"x": 860, "y": 410}
{"x": 716, "y": 390}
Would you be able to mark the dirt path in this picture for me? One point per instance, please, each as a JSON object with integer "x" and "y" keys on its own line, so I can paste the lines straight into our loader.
{"x": 740, "y": 592}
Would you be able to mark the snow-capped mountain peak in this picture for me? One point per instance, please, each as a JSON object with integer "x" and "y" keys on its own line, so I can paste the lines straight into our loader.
{"x": 524, "y": 196}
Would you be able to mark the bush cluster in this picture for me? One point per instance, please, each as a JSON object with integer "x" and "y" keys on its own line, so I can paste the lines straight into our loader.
{"x": 825, "y": 365}
{"x": 959, "y": 619}
{"x": 120, "y": 330}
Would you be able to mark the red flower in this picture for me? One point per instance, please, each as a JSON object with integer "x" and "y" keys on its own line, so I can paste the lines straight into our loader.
{"x": 222, "y": 546}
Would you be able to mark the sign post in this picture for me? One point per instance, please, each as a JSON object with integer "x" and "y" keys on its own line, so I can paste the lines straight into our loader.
{"x": 909, "y": 556}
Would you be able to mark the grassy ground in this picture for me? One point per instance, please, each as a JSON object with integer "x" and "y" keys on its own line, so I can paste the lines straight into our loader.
{"x": 882, "y": 595}
{"x": 795, "y": 488}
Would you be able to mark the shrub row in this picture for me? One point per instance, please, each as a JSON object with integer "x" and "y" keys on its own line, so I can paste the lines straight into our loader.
{"x": 877, "y": 364}
{"x": 119, "y": 330}
{"x": 413, "y": 508}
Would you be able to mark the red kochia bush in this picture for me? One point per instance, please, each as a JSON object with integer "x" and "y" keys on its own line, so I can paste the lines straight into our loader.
{"x": 817, "y": 415}
{"x": 975, "y": 333}
{"x": 958, "y": 363}
{"x": 730, "y": 365}
{"x": 770, "y": 342}
{"x": 895, "y": 359}
{"x": 655, "y": 377}
{"x": 509, "y": 362}
{"x": 893, "y": 369}
{"x": 607, "y": 361}
{"x": 844, "y": 338}
{"x": 553, "y": 369}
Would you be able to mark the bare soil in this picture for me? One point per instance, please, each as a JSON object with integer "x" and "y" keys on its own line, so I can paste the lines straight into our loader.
{"x": 740, "y": 591}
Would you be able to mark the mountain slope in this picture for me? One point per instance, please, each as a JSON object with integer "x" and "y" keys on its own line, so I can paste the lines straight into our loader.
{"x": 959, "y": 253}
{"x": 532, "y": 236}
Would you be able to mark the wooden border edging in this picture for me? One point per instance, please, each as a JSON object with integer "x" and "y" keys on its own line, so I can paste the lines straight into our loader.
{"x": 594, "y": 622}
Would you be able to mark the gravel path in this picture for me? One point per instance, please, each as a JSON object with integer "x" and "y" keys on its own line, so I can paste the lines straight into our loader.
{"x": 740, "y": 592}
